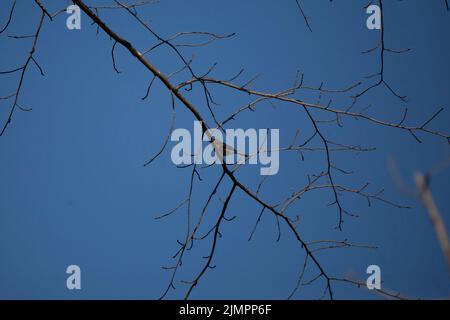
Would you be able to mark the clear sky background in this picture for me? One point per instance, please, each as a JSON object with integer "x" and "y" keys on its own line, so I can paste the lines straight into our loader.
{"x": 73, "y": 189}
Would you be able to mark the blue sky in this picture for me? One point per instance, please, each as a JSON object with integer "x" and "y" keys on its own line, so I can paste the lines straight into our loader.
{"x": 74, "y": 190}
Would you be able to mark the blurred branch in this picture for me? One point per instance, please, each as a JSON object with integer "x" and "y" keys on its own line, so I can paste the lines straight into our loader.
{"x": 433, "y": 212}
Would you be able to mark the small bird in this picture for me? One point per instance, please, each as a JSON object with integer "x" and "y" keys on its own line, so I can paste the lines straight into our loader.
{"x": 222, "y": 149}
